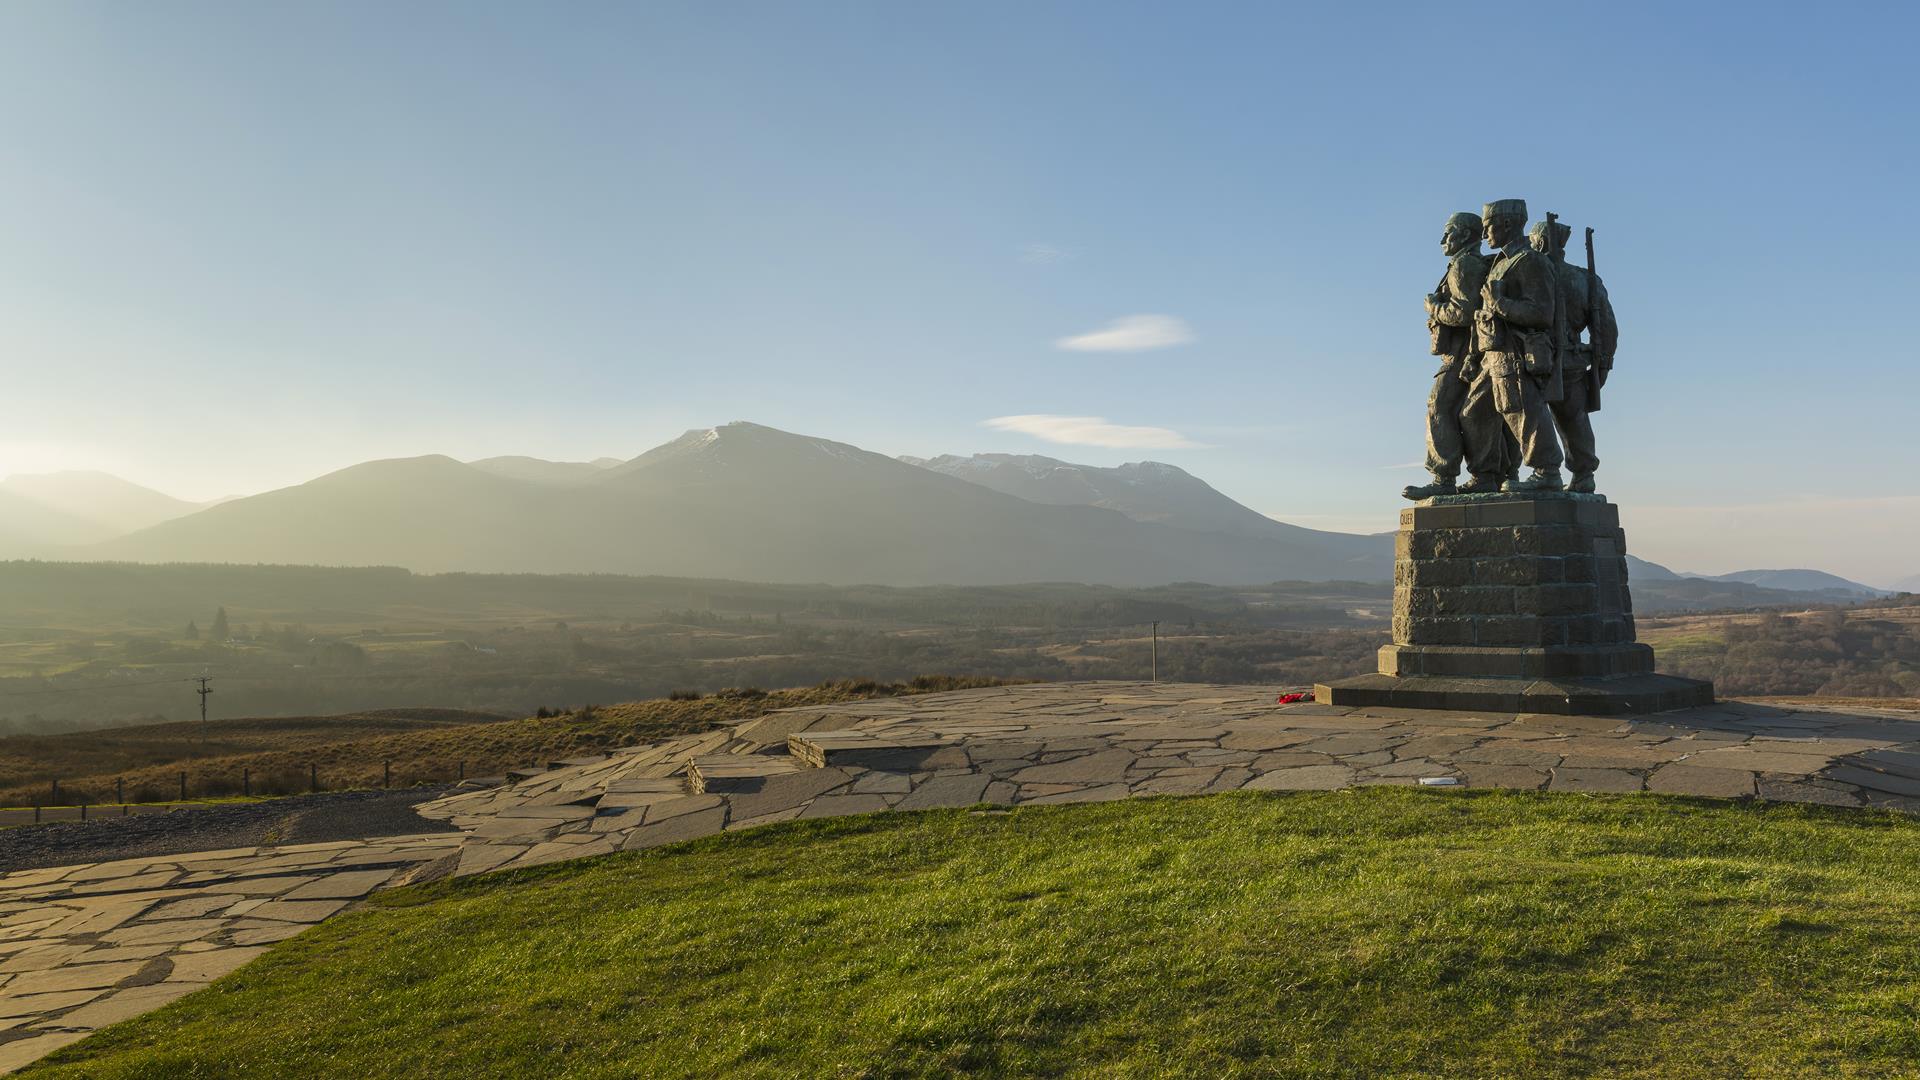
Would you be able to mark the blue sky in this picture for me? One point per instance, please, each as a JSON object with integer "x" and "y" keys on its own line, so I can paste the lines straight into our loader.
{"x": 249, "y": 243}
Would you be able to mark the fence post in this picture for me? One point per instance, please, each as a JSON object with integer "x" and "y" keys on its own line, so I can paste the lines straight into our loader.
{"x": 83, "y": 810}
{"x": 55, "y": 800}
{"x": 183, "y": 785}
{"x": 36, "y": 813}
{"x": 463, "y": 770}
{"x": 386, "y": 774}
{"x": 246, "y": 781}
{"x": 313, "y": 777}
{"x": 120, "y": 790}
{"x": 123, "y": 809}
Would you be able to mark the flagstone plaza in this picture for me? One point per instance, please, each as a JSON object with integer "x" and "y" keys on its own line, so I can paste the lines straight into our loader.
{"x": 86, "y": 946}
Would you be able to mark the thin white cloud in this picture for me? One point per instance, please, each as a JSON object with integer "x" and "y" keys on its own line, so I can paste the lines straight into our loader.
{"x": 1407, "y": 465}
{"x": 1043, "y": 254}
{"x": 1132, "y": 333}
{"x": 1091, "y": 431}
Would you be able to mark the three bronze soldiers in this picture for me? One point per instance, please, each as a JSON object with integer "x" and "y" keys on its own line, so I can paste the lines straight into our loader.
{"x": 1515, "y": 379}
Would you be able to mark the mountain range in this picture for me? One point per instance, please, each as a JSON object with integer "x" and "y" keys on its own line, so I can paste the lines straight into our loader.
{"x": 69, "y": 508}
{"x": 738, "y": 501}
{"x": 1798, "y": 581}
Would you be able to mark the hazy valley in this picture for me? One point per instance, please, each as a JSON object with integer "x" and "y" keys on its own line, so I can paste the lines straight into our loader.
{"x": 744, "y": 502}
{"x": 732, "y": 556}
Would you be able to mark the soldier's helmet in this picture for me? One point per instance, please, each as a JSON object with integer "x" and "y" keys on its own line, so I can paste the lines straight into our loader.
{"x": 1561, "y": 232}
{"x": 1501, "y": 207}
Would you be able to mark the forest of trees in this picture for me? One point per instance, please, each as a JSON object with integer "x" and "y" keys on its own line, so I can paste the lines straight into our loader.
{"x": 1865, "y": 651}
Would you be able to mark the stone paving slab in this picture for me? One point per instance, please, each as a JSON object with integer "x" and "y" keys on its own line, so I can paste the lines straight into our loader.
{"x": 117, "y": 939}
{"x": 85, "y": 946}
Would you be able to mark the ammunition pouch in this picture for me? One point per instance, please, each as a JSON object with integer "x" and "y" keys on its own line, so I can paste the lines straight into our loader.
{"x": 1486, "y": 330}
{"x": 1540, "y": 355}
{"x": 1446, "y": 340}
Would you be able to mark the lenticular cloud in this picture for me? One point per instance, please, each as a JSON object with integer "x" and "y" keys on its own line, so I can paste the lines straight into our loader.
{"x": 1132, "y": 333}
{"x": 1091, "y": 431}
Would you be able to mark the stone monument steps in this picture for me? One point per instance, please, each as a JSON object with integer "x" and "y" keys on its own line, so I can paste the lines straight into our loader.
{"x": 887, "y": 753}
{"x": 726, "y": 774}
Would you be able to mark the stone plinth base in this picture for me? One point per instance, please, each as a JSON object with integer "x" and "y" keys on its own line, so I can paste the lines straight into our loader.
{"x": 1514, "y": 603}
{"x": 1483, "y": 661}
{"x": 1561, "y": 697}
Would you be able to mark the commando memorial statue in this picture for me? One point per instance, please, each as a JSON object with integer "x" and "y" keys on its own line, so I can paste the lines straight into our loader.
{"x": 1516, "y": 338}
{"x": 1451, "y": 439}
{"x": 1510, "y": 591}
{"x": 1584, "y": 366}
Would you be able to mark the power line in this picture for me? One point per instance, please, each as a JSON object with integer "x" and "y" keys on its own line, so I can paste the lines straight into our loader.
{"x": 204, "y": 690}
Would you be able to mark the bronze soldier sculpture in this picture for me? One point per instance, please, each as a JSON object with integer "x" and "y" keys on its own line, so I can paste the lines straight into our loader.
{"x": 1584, "y": 366}
{"x": 1450, "y": 309}
{"x": 1515, "y": 337}
{"x": 1516, "y": 603}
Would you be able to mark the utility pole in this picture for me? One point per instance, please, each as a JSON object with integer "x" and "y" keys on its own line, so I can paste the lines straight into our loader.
{"x": 1155, "y": 655}
{"x": 204, "y": 690}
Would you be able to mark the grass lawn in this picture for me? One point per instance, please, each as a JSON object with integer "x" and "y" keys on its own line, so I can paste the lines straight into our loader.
{"x": 1366, "y": 933}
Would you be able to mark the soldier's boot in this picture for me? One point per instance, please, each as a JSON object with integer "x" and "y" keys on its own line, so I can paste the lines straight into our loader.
{"x": 1541, "y": 480}
{"x": 1582, "y": 483}
{"x": 1481, "y": 484}
{"x": 1442, "y": 485}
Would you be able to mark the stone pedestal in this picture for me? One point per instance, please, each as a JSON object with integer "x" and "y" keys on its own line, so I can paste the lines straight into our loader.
{"x": 1514, "y": 603}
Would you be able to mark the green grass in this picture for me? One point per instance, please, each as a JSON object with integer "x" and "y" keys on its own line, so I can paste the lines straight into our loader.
{"x": 1383, "y": 932}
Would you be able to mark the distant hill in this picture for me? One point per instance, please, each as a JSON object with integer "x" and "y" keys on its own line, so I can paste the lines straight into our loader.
{"x": 45, "y": 512}
{"x": 423, "y": 513}
{"x": 1655, "y": 596}
{"x": 1658, "y": 589}
{"x": 541, "y": 471}
{"x": 31, "y": 528}
{"x": 1909, "y": 584}
{"x": 1798, "y": 581}
{"x": 741, "y": 501}
{"x": 108, "y": 501}
{"x": 1143, "y": 490}
{"x": 749, "y": 502}
{"x": 1157, "y": 493}
{"x": 851, "y": 513}
{"x": 1639, "y": 569}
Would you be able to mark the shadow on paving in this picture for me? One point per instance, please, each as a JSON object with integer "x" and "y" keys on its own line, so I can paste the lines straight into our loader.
{"x": 299, "y": 819}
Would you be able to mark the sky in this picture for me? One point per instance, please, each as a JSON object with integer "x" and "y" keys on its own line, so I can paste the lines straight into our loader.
{"x": 242, "y": 244}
